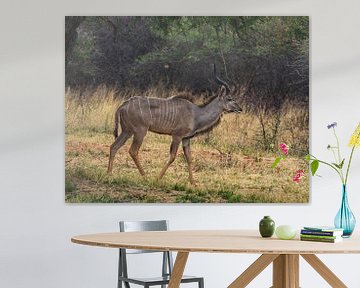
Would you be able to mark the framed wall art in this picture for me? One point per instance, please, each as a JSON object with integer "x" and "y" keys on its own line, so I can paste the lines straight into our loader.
{"x": 186, "y": 109}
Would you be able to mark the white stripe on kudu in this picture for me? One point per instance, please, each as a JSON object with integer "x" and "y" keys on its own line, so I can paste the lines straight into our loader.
{"x": 151, "y": 118}
{"x": 173, "y": 118}
{"x": 166, "y": 112}
{"x": 171, "y": 114}
{"x": 141, "y": 113}
{"x": 162, "y": 114}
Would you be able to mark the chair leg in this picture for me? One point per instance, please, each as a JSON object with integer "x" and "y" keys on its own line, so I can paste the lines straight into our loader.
{"x": 201, "y": 283}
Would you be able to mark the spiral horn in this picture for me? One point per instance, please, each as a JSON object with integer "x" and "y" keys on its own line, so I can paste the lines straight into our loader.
{"x": 221, "y": 82}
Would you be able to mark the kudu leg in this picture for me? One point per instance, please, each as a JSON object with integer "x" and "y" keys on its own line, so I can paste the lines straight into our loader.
{"x": 187, "y": 154}
{"x": 119, "y": 141}
{"x": 173, "y": 150}
{"x": 134, "y": 151}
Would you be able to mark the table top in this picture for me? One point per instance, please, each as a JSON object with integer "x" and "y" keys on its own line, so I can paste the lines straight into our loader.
{"x": 216, "y": 241}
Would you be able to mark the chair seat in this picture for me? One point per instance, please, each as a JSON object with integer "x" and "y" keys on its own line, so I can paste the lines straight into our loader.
{"x": 158, "y": 280}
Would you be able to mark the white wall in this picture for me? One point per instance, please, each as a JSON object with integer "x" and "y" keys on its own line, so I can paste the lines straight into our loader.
{"x": 36, "y": 224}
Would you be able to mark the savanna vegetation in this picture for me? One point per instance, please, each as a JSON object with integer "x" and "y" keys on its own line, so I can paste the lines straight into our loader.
{"x": 266, "y": 63}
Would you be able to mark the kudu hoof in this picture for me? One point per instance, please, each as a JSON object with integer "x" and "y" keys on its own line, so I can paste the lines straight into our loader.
{"x": 193, "y": 183}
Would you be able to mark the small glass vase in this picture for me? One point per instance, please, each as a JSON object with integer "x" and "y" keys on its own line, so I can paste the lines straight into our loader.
{"x": 345, "y": 219}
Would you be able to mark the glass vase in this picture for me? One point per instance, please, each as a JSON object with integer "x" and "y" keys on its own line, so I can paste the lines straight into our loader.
{"x": 266, "y": 226}
{"x": 345, "y": 219}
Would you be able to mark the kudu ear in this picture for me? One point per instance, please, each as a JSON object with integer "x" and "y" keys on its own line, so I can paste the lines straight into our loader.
{"x": 222, "y": 91}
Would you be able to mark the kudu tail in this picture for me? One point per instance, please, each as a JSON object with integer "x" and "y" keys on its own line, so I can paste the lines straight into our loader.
{"x": 117, "y": 120}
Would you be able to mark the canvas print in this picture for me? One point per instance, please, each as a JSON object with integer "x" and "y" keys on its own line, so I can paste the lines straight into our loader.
{"x": 186, "y": 109}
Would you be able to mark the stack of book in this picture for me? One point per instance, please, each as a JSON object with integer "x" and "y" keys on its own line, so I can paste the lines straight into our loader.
{"x": 321, "y": 234}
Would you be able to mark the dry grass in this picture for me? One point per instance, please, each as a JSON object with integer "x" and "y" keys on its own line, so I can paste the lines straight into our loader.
{"x": 228, "y": 164}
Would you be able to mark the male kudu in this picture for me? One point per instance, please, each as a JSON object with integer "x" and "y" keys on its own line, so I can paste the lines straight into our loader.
{"x": 173, "y": 116}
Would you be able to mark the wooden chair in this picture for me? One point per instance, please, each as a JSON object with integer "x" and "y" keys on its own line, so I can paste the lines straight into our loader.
{"x": 167, "y": 262}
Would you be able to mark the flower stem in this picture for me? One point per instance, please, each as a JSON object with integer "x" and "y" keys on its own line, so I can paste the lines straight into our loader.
{"x": 337, "y": 144}
{"x": 348, "y": 167}
{"x": 351, "y": 155}
{"x": 338, "y": 150}
{"x": 336, "y": 160}
{"x": 330, "y": 165}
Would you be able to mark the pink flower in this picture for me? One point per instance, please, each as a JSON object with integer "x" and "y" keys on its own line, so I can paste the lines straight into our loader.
{"x": 284, "y": 148}
{"x": 299, "y": 174}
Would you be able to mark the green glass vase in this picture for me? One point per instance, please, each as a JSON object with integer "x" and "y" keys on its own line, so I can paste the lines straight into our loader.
{"x": 266, "y": 226}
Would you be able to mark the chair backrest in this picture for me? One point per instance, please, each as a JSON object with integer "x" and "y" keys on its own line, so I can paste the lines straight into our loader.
{"x": 134, "y": 226}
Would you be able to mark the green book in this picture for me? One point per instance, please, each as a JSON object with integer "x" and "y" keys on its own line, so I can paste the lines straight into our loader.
{"x": 319, "y": 236}
{"x": 323, "y": 239}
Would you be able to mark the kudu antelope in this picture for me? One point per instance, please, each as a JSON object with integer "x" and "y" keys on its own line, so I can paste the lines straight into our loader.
{"x": 173, "y": 116}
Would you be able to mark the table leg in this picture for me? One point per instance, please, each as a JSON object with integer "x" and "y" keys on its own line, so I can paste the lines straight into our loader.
{"x": 286, "y": 271}
{"x": 253, "y": 270}
{"x": 178, "y": 269}
{"x": 324, "y": 271}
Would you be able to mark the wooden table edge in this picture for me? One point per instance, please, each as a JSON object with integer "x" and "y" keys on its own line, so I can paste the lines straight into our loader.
{"x": 203, "y": 250}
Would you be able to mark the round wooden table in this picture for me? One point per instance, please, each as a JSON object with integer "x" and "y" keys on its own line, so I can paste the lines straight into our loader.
{"x": 284, "y": 254}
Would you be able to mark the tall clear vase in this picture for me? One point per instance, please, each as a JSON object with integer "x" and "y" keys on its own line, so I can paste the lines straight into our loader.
{"x": 345, "y": 219}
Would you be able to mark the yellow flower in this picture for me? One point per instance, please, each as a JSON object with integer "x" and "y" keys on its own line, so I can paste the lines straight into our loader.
{"x": 355, "y": 138}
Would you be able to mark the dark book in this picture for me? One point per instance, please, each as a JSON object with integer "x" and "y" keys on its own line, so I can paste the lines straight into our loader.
{"x": 321, "y": 233}
{"x": 324, "y": 229}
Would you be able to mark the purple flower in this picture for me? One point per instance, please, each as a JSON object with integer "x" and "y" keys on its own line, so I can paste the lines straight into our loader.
{"x": 332, "y": 125}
